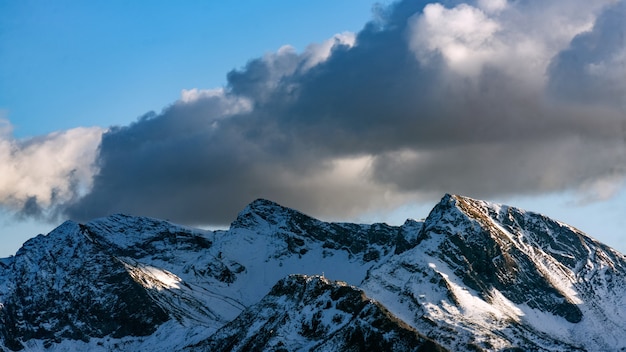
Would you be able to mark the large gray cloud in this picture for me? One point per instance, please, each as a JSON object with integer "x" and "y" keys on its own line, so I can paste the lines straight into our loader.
{"x": 593, "y": 68}
{"x": 426, "y": 99}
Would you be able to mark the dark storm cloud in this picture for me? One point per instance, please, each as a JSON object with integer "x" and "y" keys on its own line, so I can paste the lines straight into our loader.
{"x": 400, "y": 115}
{"x": 593, "y": 68}
{"x": 31, "y": 208}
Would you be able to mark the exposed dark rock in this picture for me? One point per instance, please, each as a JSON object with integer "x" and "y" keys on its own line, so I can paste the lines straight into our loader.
{"x": 358, "y": 323}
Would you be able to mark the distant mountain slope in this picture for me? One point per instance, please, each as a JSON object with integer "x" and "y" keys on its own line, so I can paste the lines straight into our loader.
{"x": 472, "y": 276}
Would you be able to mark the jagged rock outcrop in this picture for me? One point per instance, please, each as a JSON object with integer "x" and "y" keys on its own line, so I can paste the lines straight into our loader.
{"x": 303, "y": 313}
{"x": 501, "y": 277}
{"x": 472, "y": 276}
{"x": 65, "y": 287}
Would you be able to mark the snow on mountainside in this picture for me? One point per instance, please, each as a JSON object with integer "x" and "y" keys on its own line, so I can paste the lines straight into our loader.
{"x": 312, "y": 313}
{"x": 472, "y": 276}
{"x": 501, "y": 277}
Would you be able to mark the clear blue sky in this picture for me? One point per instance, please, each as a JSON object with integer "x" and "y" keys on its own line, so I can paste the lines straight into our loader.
{"x": 68, "y": 64}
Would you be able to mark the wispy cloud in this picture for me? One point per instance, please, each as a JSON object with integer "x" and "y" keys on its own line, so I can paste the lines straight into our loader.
{"x": 485, "y": 98}
{"x": 40, "y": 174}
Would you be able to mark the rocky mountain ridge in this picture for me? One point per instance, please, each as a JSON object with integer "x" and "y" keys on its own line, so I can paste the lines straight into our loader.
{"x": 472, "y": 276}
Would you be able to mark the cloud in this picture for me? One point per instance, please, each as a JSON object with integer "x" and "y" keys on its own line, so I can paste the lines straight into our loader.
{"x": 492, "y": 6}
{"x": 592, "y": 70}
{"x": 317, "y": 53}
{"x": 471, "y": 98}
{"x": 463, "y": 36}
{"x": 39, "y": 174}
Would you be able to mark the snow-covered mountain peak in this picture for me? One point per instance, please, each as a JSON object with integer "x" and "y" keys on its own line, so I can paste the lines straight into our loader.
{"x": 299, "y": 231}
{"x": 504, "y": 268}
{"x": 453, "y": 206}
{"x": 474, "y": 275}
{"x": 63, "y": 286}
{"x": 262, "y": 214}
{"x": 475, "y": 221}
{"x": 36, "y": 243}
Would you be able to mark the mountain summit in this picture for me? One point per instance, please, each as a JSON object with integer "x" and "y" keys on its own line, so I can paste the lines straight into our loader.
{"x": 472, "y": 276}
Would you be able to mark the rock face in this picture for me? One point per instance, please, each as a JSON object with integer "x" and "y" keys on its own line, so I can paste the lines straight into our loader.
{"x": 313, "y": 313}
{"x": 472, "y": 276}
{"x": 501, "y": 277}
{"x": 66, "y": 287}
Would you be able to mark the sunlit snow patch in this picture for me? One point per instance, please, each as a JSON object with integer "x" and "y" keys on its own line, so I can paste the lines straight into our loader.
{"x": 150, "y": 277}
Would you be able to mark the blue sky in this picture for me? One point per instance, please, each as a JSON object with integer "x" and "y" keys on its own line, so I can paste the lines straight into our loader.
{"x": 72, "y": 63}
{"x": 69, "y": 70}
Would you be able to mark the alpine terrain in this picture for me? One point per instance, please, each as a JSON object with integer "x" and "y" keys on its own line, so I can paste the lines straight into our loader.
{"x": 472, "y": 276}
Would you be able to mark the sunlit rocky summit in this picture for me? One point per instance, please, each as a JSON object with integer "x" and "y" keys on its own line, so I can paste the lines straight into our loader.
{"x": 472, "y": 276}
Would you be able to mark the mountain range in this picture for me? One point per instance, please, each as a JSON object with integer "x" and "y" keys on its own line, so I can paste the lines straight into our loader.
{"x": 472, "y": 276}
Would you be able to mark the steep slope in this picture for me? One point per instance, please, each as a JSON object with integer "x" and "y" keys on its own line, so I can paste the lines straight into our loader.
{"x": 303, "y": 313}
{"x": 148, "y": 272}
{"x": 62, "y": 287}
{"x": 472, "y": 276}
{"x": 495, "y": 277}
